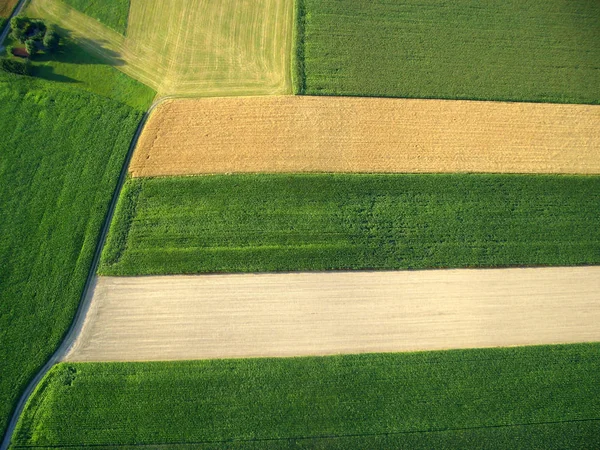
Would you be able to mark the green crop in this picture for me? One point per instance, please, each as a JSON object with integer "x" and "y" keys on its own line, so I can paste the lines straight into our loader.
{"x": 112, "y": 13}
{"x": 518, "y": 398}
{"x": 519, "y": 50}
{"x": 261, "y": 223}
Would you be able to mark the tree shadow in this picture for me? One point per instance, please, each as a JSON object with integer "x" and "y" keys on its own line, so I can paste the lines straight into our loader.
{"x": 47, "y": 73}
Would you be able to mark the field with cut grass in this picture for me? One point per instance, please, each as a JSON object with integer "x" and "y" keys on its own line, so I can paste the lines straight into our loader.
{"x": 537, "y": 397}
{"x": 62, "y": 152}
{"x": 340, "y": 134}
{"x": 191, "y": 47}
{"x": 112, "y": 13}
{"x": 521, "y": 50}
{"x": 259, "y": 223}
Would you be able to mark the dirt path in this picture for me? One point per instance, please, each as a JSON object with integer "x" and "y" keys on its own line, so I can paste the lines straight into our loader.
{"x": 223, "y": 316}
{"x": 336, "y": 134}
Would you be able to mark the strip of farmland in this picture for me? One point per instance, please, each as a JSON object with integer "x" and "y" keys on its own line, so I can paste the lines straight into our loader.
{"x": 524, "y": 50}
{"x": 315, "y": 134}
{"x": 279, "y": 222}
{"x": 230, "y": 316}
{"x": 517, "y": 398}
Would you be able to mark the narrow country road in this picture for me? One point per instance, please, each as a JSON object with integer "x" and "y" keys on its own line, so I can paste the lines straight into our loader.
{"x": 6, "y": 30}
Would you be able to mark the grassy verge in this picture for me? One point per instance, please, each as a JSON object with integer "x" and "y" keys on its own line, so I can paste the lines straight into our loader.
{"x": 298, "y": 75}
{"x": 536, "y": 397}
{"x": 62, "y": 152}
{"x": 520, "y": 50}
{"x": 112, "y": 13}
{"x": 258, "y": 223}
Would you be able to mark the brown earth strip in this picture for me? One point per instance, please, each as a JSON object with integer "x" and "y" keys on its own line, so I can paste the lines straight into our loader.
{"x": 6, "y": 7}
{"x": 225, "y": 316}
{"x": 336, "y": 134}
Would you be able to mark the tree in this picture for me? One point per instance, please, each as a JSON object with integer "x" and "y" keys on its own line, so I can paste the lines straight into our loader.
{"x": 51, "y": 41}
{"x": 31, "y": 47}
{"x": 13, "y": 66}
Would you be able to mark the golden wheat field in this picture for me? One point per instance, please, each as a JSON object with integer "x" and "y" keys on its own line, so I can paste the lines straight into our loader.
{"x": 192, "y": 47}
{"x": 336, "y": 134}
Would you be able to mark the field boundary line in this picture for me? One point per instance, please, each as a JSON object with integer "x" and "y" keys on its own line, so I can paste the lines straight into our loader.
{"x": 324, "y": 437}
{"x": 86, "y": 297}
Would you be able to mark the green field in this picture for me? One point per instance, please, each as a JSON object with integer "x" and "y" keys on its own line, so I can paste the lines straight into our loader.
{"x": 258, "y": 223}
{"x": 112, "y": 13}
{"x": 522, "y": 50}
{"x": 536, "y": 397}
{"x": 62, "y": 152}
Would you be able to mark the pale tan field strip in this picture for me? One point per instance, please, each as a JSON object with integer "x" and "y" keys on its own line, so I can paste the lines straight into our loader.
{"x": 192, "y": 47}
{"x": 225, "y": 316}
{"x": 336, "y": 134}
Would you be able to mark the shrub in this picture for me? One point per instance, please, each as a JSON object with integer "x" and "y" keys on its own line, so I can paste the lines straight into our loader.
{"x": 14, "y": 66}
{"x": 31, "y": 47}
{"x": 51, "y": 41}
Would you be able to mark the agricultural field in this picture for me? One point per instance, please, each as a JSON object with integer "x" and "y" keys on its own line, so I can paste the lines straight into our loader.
{"x": 191, "y": 47}
{"x": 6, "y": 9}
{"x": 262, "y": 223}
{"x": 541, "y": 397}
{"x": 112, "y": 13}
{"x": 62, "y": 152}
{"x": 324, "y": 134}
{"x": 517, "y": 50}
{"x": 305, "y": 314}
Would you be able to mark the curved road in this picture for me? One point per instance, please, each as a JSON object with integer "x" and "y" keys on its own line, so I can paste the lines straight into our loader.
{"x": 86, "y": 296}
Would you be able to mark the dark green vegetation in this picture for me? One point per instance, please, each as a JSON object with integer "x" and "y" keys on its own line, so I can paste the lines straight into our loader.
{"x": 112, "y": 13}
{"x": 522, "y": 50}
{"x": 256, "y": 223}
{"x": 62, "y": 151}
{"x": 536, "y": 397}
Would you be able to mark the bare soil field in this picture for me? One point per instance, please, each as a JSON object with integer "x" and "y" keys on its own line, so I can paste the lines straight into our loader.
{"x": 226, "y": 316}
{"x": 191, "y": 47}
{"x": 333, "y": 134}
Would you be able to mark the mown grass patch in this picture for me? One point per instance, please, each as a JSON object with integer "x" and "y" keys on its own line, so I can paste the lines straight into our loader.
{"x": 62, "y": 152}
{"x": 112, "y": 13}
{"x": 521, "y": 50}
{"x": 536, "y": 397}
{"x": 261, "y": 223}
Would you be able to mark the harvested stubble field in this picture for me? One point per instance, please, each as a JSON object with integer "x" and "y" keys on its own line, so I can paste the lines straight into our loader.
{"x": 282, "y": 222}
{"x": 523, "y": 50}
{"x": 336, "y": 134}
{"x": 6, "y": 8}
{"x": 191, "y": 47}
{"x": 241, "y": 316}
{"x": 518, "y": 398}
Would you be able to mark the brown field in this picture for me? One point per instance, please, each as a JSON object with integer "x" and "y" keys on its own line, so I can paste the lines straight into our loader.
{"x": 336, "y": 134}
{"x": 224, "y": 316}
{"x": 6, "y": 7}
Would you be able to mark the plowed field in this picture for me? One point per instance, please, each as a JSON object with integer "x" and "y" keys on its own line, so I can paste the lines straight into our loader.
{"x": 192, "y": 47}
{"x": 6, "y": 7}
{"x": 222, "y": 316}
{"x": 316, "y": 134}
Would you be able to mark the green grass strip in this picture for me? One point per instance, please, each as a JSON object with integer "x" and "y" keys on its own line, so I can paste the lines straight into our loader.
{"x": 532, "y": 397}
{"x": 518, "y": 50}
{"x": 259, "y": 223}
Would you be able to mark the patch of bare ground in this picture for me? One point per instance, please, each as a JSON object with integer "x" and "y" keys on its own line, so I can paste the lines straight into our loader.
{"x": 336, "y": 134}
{"x": 227, "y": 316}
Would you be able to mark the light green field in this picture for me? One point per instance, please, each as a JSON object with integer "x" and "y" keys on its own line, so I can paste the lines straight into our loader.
{"x": 192, "y": 47}
{"x": 112, "y": 13}
{"x": 516, "y": 398}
